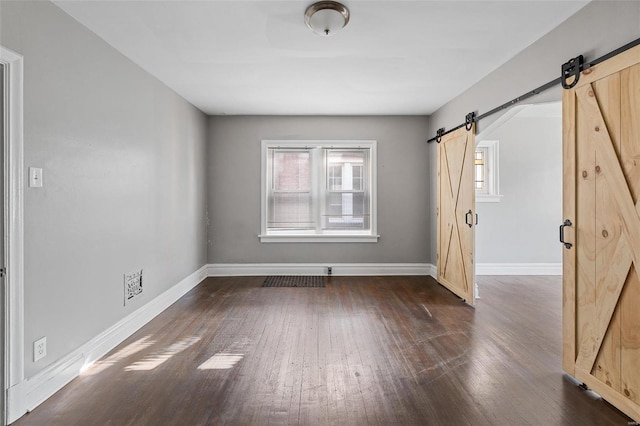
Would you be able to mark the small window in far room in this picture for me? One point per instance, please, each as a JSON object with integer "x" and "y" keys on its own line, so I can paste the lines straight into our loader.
{"x": 480, "y": 168}
{"x": 486, "y": 176}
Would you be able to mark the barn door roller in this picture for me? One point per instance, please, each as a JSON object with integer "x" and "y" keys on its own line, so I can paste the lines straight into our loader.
{"x": 570, "y": 69}
{"x": 469, "y": 120}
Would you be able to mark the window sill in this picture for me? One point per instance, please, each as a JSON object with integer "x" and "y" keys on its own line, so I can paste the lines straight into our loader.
{"x": 319, "y": 238}
{"x": 488, "y": 198}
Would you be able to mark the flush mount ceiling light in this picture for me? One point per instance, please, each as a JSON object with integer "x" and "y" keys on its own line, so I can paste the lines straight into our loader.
{"x": 326, "y": 17}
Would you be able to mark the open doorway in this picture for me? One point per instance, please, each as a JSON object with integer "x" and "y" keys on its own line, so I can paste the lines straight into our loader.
{"x": 519, "y": 192}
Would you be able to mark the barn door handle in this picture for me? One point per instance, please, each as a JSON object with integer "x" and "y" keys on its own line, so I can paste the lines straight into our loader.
{"x": 566, "y": 244}
{"x": 466, "y": 218}
{"x": 476, "y": 218}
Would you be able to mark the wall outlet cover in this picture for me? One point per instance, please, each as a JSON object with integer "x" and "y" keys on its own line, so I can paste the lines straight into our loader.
{"x": 39, "y": 349}
{"x": 35, "y": 177}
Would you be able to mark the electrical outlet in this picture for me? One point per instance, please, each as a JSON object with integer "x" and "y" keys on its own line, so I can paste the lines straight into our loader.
{"x": 39, "y": 349}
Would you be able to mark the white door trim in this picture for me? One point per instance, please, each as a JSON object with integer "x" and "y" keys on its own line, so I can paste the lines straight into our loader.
{"x": 14, "y": 226}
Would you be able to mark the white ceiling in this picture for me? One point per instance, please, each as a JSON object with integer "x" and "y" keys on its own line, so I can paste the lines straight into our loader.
{"x": 258, "y": 57}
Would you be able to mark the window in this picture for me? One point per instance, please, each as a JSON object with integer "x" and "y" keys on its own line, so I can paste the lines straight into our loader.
{"x": 480, "y": 165}
{"x": 318, "y": 191}
{"x": 486, "y": 172}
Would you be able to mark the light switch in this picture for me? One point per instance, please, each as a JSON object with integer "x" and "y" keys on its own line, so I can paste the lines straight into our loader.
{"x": 35, "y": 177}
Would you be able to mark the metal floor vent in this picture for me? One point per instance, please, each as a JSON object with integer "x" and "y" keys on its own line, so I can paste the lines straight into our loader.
{"x": 294, "y": 281}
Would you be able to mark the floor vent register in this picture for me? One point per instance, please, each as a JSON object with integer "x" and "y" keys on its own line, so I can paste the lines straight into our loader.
{"x": 294, "y": 281}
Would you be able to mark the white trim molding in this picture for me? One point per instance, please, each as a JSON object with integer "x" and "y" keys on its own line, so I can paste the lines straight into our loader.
{"x": 337, "y": 269}
{"x": 432, "y": 271}
{"x": 481, "y": 198}
{"x": 37, "y": 389}
{"x": 319, "y": 238}
{"x": 519, "y": 269}
{"x": 13, "y": 346}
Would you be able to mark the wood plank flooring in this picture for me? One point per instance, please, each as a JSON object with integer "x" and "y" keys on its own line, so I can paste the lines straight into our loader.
{"x": 362, "y": 351}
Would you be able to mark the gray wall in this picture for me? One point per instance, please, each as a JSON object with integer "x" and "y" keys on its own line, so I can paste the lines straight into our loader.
{"x": 598, "y": 28}
{"x": 523, "y": 226}
{"x": 124, "y": 179}
{"x": 234, "y": 188}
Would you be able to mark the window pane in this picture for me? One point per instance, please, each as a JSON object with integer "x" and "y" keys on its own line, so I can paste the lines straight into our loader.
{"x": 290, "y": 210}
{"x": 291, "y": 171}
{"x": 335, "y": 176}
{"x": 345, "y": 170}
{"x": 480, "y": 168}
{"x": 358, "y": 176}
{"x": 347, "y": 210}
{"x": 289, "y": 202}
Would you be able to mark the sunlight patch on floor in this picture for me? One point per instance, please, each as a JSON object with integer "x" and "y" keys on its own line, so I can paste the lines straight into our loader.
{"x": 158, "y": 358}
{"x": 221, "y": 361}
{"x": 100, "y": 366}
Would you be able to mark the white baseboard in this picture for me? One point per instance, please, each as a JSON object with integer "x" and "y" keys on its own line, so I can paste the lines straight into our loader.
{"x": 34, "y": 391}
{"x": 433, "y": 270}
{"x": 337, "y": 269}
{"x": 519, "y": 269}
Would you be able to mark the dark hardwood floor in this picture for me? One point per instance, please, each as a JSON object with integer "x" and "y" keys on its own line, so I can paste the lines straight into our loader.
{"x": 362, "y": 351}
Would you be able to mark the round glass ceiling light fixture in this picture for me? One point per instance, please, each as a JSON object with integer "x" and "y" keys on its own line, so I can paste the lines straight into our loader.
{"x": 326, "y": 17}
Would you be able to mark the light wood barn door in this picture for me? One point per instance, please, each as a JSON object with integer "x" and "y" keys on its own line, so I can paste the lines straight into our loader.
{"x": 601, "y": 279}
{"x": 456, "y": 213}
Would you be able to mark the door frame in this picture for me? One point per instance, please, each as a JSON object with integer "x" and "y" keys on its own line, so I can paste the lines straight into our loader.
{"x": 13, "y": 170}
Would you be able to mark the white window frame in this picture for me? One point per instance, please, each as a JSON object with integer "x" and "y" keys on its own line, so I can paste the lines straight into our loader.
{"x": 491, "y": 193}
{"x": 327, "y": 236}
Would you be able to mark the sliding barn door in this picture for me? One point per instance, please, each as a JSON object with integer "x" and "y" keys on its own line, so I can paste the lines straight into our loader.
{"x": 456, "y": 213}
{"x": 601, "y": 282}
